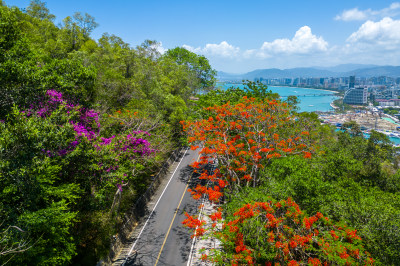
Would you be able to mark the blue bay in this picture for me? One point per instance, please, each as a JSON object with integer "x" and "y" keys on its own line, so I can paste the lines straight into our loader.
{"x": 310, "y": 99}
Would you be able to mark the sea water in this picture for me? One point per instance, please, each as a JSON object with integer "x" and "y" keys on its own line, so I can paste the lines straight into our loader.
{"x": 310, "y": 99}
{"x": 394, "y": 140}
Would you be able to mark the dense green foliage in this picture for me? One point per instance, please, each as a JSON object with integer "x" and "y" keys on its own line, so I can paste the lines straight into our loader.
{"x": 33, "y": 194}
{"x": 198, "y": 64}
{"x": 83, "y": 126}
{"x": 352, "y": 180}
{"x": 84, "y": 123}
{"x": 391, "y": 111}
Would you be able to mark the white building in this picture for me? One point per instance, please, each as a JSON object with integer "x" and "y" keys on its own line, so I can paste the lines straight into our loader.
{"x": 388, "y": 102}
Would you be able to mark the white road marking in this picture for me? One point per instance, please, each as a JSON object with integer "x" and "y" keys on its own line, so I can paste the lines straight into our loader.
{"x": 148, "y": 218}
{"x": 194, "y": 238}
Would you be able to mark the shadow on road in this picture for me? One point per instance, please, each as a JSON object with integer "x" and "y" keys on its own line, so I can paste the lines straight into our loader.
{"x": 178, "y": 241}
{"x": 145, "y": 254}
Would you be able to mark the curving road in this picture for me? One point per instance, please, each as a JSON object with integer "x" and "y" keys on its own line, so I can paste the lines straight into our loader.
{"x": 161, "y": 239}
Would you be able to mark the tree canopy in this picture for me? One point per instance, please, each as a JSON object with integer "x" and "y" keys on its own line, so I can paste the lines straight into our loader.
{"x": 197, "y": 63}
{"x": 83, "y": 126}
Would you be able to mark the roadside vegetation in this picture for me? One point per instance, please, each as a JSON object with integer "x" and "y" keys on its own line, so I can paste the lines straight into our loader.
{"x": 83, "y": 126}
{"x": 290, "y": 191}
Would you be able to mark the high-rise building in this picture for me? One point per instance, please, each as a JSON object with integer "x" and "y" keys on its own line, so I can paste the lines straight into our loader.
{"x": 355, "y": 96}
{"x": 352, "y": 81}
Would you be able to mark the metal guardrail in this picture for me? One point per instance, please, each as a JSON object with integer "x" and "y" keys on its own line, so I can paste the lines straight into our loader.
{"x": 142, "y": 200}
{"x": 138, "y": 209}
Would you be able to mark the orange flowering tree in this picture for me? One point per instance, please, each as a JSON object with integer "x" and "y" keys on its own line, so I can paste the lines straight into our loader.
{"x": 279, "y": 233}
{"x": 243, "y": 138}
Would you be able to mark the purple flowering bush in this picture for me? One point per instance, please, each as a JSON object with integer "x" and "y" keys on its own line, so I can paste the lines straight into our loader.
{"x": 59, "y": 165}
{"x": 123, "y": 156}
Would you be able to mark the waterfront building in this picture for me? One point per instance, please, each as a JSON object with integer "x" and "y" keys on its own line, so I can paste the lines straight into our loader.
{"x": 388, "y": 102}
{"x": 380, "y": 85}
{"x": 356, "y": 96}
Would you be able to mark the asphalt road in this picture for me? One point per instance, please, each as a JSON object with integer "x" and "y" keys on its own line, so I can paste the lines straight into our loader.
{"x": 163, "y": 240}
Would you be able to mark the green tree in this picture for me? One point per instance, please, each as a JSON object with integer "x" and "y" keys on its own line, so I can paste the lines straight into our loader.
{"x": 86, "y": 22}
{"x": 197, "y": 63}
{"x": 352, "y": 179}
{"x": 25, "y": 74}
{"x": 16, "y": 59}
{"x": 352, "y": 128}
{"x": 34, "y": 195}
{"x": 38, "y": 9}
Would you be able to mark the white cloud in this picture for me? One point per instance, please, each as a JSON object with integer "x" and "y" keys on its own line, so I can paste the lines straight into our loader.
{"x": 356, "y": 14}
{"x": 373, "y": 43}
{"x": 279, "y": 52}
{"x": 159, "y": 47}
{"x": 191, "y": 48}
{"x": 303, "y": 42}
{"x": 222, "y": 49}
{"x": 394, "y": 5}
{"x": 352, "y": 14}
{"x": 384, "y": 34}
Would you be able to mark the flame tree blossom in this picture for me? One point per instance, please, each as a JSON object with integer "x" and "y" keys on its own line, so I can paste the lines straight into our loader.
{"x": 244, "y": 138}
{"x": 273, "y": 232}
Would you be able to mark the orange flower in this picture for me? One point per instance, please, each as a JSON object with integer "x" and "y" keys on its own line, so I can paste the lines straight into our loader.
{"x": 292, "y": 244}
{"x": 314, "y": 261}
{"x": 333, "y": 234}
{"x": 194, "y": 147}
{"x": 307, "y": 155}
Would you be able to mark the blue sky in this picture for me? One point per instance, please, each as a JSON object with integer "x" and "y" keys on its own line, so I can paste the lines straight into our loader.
{"x": 240, "y": 36}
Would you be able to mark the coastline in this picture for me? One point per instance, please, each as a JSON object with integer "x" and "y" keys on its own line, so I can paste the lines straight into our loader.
{"x": 307, "y": 88}
{"x": 307, "y": 103}
{"x": 312, "y": 88}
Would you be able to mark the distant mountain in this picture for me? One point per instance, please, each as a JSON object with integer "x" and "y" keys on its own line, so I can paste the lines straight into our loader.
{"x": 316, "y": 72}
{"x": 289, "y": 73}
{"x": 273, "y": 72}
{"x": 346, "y": 67}
{"x": 389, "y": 71}
{"x": 228, "y": 76}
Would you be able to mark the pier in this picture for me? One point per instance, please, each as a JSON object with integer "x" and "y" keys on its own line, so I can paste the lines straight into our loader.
{"x": 312, "y": 95}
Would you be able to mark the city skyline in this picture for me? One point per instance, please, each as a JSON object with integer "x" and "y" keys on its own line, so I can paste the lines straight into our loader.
{"x": 338, "y": 83}
{"x": 238, "y": 38}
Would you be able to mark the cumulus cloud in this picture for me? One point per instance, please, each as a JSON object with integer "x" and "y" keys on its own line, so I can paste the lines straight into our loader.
{"x": 159, "y": 47}
{"x": 356, "y": 14}
{"x": 382, "y": 34}
{"x": 352, "y": 14}
{"x": 223, "y": 49}
{"x": 303, "y": 42}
